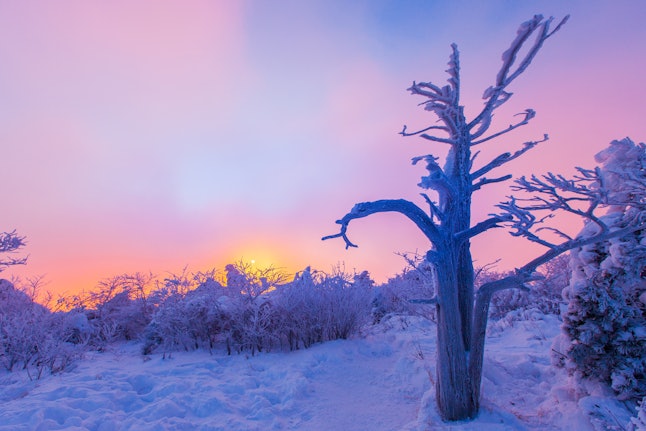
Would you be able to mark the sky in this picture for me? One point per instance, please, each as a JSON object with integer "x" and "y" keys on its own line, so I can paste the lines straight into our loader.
{"x": 143, "y": 136}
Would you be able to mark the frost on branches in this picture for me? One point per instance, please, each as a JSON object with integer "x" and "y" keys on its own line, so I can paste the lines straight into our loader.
{"x": 605, "y": 323}
{"x": 10, "y": 243}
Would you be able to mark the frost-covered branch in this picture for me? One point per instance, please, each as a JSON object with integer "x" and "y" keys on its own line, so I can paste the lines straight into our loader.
{"x": 444, "y": 102}
{"x": 436, "y": 179}
{"x": 527, "y": 116}
{"x": 497, "y": 95}
{"x": 619, "y": 186}
{"x": 418, "y": 132}
{"x": 483, "y": 226}
{"x": 522, "y": 221}
{"x": 580, "y": 196}
{"x": 506, "y": 157}
{"x": 10, "y": 242}
{"x": 434, "y": 210}
{"x": 484, "y": 181}
{"x": 402, "y": 206}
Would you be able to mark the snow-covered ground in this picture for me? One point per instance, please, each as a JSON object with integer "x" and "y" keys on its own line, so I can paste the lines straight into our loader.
{"x": 382, "y": 381}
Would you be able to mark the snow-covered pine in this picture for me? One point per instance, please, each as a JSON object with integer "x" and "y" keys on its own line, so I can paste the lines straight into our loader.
{"x": 605, "y": 321}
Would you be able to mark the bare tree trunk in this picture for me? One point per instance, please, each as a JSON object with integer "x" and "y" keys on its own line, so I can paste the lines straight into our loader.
{"x": 454, "y": 390}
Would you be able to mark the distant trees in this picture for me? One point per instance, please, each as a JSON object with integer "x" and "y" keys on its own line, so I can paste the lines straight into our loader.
{"x": 461, "y": 310}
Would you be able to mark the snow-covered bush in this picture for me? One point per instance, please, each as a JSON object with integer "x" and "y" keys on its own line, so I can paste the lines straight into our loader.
{"x": 416, "y": 282}
{"x": 31, "y": 337}
{"x": 250, "y": 320}
{"x": 252, "y": 314}
{"x": 188, "y": 315}
{"x": 317, "y": 307}
{"x": 345, "y": 305}
{"x": 544, "y": 295}
{"x": 605, "y": 321}
{"x": 121, "y": 307}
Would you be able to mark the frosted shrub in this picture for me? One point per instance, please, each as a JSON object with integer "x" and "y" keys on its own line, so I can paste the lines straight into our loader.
{"x": 185, "y": 321}
{"x": 545, "y": 295}
{"x": 30, "y": 336}
{"x": 345, "y": 305}
{"x": 251, "y": 318}
{"x": 251, "y": 325}
{"x": 395, "y": 296}
{"x": 605, "y": 321}
{"x": 75, "y": 327}
{"x": 316, "y": 308}
{"x": 302, "y": 317}
{"x": 256, "y": 314}
{"x": 121, "y": 307}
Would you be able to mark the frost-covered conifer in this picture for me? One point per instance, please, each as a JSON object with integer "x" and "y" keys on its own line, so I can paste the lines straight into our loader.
{"x": 605, "y": 321}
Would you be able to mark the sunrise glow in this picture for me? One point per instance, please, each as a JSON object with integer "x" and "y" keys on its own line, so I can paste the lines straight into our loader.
{"x": 142, "y": 136}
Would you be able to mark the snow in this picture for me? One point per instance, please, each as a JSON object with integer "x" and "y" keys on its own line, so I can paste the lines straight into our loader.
{"x": 380, "y": 381}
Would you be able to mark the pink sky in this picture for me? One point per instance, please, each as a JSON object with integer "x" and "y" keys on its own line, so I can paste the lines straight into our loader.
{"x": 148, "y": 136}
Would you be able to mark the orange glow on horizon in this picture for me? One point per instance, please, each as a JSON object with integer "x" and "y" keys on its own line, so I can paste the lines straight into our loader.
{"x": 150, "y": 139}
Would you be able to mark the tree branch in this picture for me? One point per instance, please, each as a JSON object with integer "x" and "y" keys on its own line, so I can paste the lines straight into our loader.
{"x": 437, "y": 139}
{"x": 444, "y": 102}
{"x": 484, "y": 181}
{"x": 481, "y": 227}
{"x": 405, "y": 133}
{"x": 506, "y": 157}
{"x": 436, "y": 178}
{"x": 603, "y": 235}
{"x": 528, "y": 115}
{"x": 10, "y": 242}
{"x": 402, "y": 206}
{"x": 496, "y": 95}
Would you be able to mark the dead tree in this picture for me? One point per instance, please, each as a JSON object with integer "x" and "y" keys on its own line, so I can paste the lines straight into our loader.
{"x": 461, "y": 312}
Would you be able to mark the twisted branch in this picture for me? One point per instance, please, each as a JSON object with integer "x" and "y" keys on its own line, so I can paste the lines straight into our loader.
{"x": 402, "y": 206}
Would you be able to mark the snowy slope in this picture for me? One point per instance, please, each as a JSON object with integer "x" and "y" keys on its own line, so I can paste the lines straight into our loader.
{"x": 380, "y": 382}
